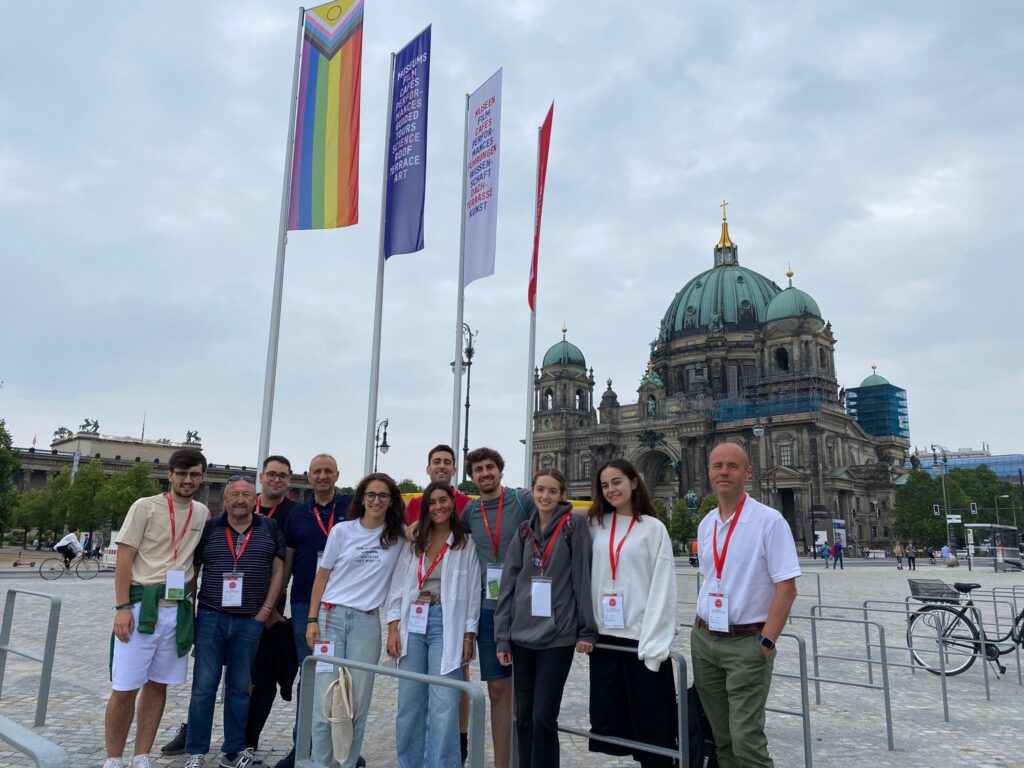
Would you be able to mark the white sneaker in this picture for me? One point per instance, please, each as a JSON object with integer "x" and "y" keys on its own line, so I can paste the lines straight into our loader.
{"x": 140, "y": 761}
{"x": 113, "y": 762}
{"x": 244, "y": 759}
{"x": 196, "y": 761}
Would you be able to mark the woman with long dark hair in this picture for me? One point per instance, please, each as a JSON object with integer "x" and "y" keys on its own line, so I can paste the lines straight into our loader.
{"x": 350, "y": 586}
{"x": 433, "y": 610}
{"x": 544, "y": 613}
{"x": 633, "y": 584}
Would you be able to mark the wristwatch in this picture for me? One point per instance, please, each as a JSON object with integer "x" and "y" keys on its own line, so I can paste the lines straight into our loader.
{"x": 769, "y": 644}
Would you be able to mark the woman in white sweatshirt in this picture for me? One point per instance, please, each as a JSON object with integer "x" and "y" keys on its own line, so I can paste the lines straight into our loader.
{"x": 633, "y": 582}
{"x": 433, "y": 612}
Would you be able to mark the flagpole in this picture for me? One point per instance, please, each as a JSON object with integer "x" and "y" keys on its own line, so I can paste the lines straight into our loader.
{"x": 531, "y": 359}
{"x": 371, "y": 414}
{"x": 270, "y": 378}
{"x": 457, "y": 367}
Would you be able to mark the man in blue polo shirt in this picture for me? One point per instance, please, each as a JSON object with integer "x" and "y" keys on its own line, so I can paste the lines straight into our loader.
{"x": 242, "y": 559}
{"x": 305, "y": 536}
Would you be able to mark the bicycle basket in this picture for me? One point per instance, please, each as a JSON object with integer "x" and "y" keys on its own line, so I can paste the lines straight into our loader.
{"x": 933, "y": 591}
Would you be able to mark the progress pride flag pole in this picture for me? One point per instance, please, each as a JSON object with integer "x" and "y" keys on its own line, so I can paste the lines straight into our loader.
{"x": 543, "y": 143}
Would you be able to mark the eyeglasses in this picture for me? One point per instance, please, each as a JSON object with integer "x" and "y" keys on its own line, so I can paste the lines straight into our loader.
{"x": 371, "y": 496}
{"x": 277, "y": 475}
{"x": 236, "y": 478}
{"x": 182, "y": 475}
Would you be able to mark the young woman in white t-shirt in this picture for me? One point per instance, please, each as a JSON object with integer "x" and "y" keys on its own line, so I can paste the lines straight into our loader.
{"x": 633, "y": 583}
{"x": 433, "y": 610}
{"x": 350, "y": 586}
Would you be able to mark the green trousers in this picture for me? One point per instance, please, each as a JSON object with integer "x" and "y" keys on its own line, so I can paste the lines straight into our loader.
{"x": 732, "y": 678}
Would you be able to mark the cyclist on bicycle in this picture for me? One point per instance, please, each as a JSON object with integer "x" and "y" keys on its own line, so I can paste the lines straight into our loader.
{"x": 68, "y": 547}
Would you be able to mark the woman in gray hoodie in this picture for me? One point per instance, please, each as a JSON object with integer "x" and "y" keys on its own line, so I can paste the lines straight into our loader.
{"x": 544, "y": 612}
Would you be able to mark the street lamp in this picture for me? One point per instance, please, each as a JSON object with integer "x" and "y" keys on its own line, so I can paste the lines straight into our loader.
{"x": 468, "y": 350}
{"x": 380, "y": 441}
{"x": 997, "y": 498}
{"x": 936, "y": 450}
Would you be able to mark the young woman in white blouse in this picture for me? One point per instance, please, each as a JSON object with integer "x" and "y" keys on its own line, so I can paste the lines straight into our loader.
{"x": 633, "y": 583}
{"x": 433, "y": 610}
{"x": 350, "y": 586}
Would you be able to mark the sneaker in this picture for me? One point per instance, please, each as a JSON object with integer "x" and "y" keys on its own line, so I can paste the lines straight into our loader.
{"x": 360, "y": 763}
{"x": 196, "y": 761}
{"x": 288, "y": 761}
{"x": 113, "y": 762}
{"x": 176, "y": 746}
{"x": 243, "y": 759}
{"x": 140, "y": 761}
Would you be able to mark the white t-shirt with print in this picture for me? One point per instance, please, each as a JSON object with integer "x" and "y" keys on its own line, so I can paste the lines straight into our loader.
{"x": 360, "y": 567}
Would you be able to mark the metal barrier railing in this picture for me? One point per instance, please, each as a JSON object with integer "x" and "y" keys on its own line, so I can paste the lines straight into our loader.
{"x": 49, "y": 647}
{"x": 303, "y": 739}
{"x": 682, "y": 753}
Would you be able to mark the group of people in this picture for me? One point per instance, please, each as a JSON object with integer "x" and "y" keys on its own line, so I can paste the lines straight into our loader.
{"x": 515, "y": 577}
{"x": 833, "y": 551}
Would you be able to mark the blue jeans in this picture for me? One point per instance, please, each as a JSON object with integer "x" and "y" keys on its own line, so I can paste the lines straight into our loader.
{"x": 427, "y": 728}
{"x": 300, "y": 612}
{"x": 356, "y": 636}
{"x": 229, "y": 641}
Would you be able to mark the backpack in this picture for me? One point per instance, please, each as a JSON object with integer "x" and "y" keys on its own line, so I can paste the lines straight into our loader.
{"x": 835, "y": 549}
{"x": 702, "y": 742}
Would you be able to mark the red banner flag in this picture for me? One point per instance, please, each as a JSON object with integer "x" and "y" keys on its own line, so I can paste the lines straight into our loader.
{"x": 544, "y": 141}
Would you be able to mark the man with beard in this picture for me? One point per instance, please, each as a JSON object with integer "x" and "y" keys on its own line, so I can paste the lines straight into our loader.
{"x": 153, "y": 620}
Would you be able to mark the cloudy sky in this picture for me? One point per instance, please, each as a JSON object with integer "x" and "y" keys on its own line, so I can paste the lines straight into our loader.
{"x": 876, "y": 147}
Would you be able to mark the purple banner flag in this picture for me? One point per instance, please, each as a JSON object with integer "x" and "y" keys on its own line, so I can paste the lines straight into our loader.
{"x": 407, "y": 148}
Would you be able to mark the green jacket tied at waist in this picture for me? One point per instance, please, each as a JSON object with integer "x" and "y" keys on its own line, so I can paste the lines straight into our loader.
{"x": 149, "y": 603}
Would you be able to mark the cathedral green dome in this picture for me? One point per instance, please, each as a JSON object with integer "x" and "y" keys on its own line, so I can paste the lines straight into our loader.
{"x": 874, "y": 379}
{"x": 564, "y": 353}
{"x": 792, "y": 302}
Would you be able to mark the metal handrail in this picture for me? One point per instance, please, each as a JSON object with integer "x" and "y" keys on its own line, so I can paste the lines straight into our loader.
{"x": 49, "y": 647}
{"x": 304, "y": 736}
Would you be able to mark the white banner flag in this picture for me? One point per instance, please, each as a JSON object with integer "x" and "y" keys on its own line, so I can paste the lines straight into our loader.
{"x": 481, "y": 174}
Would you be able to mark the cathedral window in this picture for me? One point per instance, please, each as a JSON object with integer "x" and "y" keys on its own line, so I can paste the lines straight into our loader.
{"x": 822, "y": 359}
{"x": 549, "y": 400}
{"x": 786, "y": 455}
{"x": 580, "y": 402}
{"x": 585, "y": 467}
{"x": 546, "y": 461}
{"x": 782, "y": 359}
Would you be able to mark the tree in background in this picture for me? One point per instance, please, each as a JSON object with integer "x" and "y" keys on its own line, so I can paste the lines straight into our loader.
{"x": 44, "y": 508}
{"x": 409, "y": 486}
{"x": 82, "y": 515}
{"x": 9, "y": 464}
{"x": 660, "y": 510}
{"x": 683, "y": 528}
{"x": 913, "y": 513}
{"x": 120, "y": 492}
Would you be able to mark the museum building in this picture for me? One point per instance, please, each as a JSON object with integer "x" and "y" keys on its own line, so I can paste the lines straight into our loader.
{"x": 736, "y": 358}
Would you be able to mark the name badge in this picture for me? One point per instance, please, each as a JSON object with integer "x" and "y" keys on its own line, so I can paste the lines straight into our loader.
{"x": 613, "y": 609}
{"x": 493, "y": 580}
{"x": 418, "y": 615}
{"x": 540, "y": 591}
{"x": 231, "y": 593}
{"x": 324, "y": 648}
{"x": 174, "y": 586}
{"x": 718, "y": 611}
{"x": 319, "y": 557}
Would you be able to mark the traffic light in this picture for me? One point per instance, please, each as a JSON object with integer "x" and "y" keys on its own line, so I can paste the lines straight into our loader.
{"x": 974, "y": 508}
{"x": 935, "y": 509}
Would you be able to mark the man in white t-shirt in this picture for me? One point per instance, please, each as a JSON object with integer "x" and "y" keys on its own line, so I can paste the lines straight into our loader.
{"x": 68, "y": 547}
{"x": 750, "y": 570}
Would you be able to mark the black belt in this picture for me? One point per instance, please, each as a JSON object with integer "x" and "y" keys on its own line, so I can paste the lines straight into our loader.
{"x": 735, "y": 630}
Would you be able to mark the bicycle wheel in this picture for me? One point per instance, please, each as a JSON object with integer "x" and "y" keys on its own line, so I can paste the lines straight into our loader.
{"x": 959, "y": 639}
{"x": 87, "y": 569}
{"x": 51, "y": 569}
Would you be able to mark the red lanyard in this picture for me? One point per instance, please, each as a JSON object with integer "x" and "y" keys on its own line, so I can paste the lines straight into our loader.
{"x": 720, "y": 561}
{"x": 316, "y": 515}
{"x": 487, "y": 526}
{"x": 551, "y": 542}
{"x": 269, "y": 514}
{"x": 184, "y": 533}
{"x": 236, "y": 550}
{"x": 615, "y": 552}
{"x": 420, "y": 575}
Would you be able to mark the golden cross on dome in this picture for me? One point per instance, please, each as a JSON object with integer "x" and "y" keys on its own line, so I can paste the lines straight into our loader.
{"x": 722, "y": 206}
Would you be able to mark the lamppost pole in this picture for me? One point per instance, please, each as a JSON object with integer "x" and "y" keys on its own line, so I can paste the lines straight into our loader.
{"x": 936, "y": 449}
{"x": 469, "y": 351}
{"x": 997, "y": 498}
{"x": 380, "y": 441}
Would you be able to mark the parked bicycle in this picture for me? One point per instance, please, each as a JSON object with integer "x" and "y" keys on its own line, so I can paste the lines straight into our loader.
{"x": 84, "y": 567}
{"x": 944, "y": 636}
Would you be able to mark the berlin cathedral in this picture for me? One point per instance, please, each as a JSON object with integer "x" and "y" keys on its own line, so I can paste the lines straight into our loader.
{"x": 736, "y": 358}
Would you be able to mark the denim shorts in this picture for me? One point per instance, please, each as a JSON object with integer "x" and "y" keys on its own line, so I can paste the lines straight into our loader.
{"x": 487, "y": 649}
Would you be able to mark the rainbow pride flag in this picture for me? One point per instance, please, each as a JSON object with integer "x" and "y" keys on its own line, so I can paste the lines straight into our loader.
{"x": 325, "y": 160}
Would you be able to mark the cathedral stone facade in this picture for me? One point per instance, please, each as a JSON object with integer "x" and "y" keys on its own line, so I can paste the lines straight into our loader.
{"x": 736, "y": 358}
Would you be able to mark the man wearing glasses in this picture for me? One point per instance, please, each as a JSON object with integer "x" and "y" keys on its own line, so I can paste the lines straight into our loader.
{"x": 305, "y": 536}
{"x": 153, "y": 619}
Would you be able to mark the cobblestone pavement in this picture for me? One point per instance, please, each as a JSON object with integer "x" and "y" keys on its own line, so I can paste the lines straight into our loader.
{"x": 847, "y": 727}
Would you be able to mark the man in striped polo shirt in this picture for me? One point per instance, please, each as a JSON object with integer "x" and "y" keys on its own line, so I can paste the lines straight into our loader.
{"x": 242, "y": 560}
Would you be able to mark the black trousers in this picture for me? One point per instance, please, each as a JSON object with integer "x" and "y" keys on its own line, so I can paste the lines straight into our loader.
{"x": 629, "y": 701}
{"x": 540, "y": 677}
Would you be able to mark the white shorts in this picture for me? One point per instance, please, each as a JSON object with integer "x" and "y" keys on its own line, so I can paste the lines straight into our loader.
{"x": 149, "y": 657}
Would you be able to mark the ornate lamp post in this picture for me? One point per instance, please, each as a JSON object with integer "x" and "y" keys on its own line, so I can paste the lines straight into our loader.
{"x": 380, "y": 441}
{"x": 468, "y": 350}
{"x": 1003, "y": 496}
{"x": 936, "y": 450}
